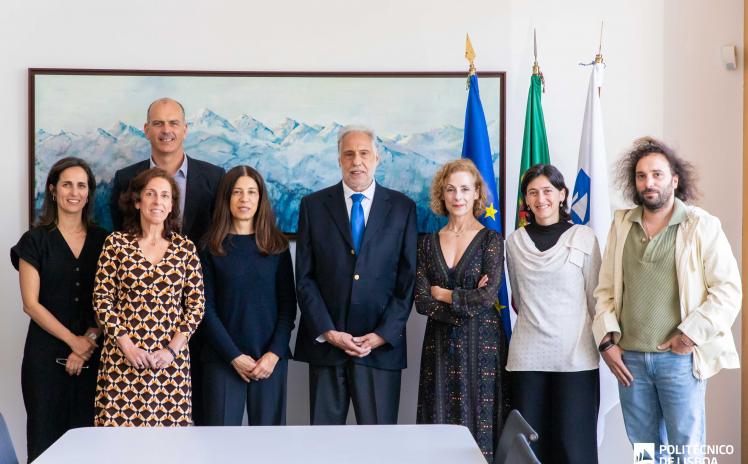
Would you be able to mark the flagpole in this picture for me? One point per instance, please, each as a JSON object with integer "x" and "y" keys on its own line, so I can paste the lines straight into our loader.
{"x": 477, "y": 148}
{"x": 599, "y": 56}
{"x": 535, "y": 66}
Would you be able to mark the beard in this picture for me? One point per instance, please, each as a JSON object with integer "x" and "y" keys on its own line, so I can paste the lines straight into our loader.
{"x": 656, "y": 203}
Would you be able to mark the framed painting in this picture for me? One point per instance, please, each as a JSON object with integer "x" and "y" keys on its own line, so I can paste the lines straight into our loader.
{"x": 283, "y": 124}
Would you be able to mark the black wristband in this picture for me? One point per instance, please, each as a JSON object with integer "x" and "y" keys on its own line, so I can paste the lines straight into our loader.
{"x": 172, "y": 352}
{"x": 605, "y": 346}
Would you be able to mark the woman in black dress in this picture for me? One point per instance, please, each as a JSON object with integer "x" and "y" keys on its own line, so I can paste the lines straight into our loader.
{"x": 457, "y": 278}
{"x": 250, "y": 305}
{"x": 56, "y": 261}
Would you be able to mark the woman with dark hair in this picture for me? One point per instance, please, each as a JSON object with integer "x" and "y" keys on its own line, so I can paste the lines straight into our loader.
{"x": 250, "y": 305}
{"x": 553, "y": 268}
{"x": 56, "y": 261}
{"x": 149, "y": 300}
{"x": 457, "y": 277}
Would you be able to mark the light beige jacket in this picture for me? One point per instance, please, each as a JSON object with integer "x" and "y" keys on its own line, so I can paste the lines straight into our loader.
{"x": 709, "y": 286}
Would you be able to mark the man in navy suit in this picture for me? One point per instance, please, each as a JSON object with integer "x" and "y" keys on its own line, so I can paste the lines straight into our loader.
{"x": 355, "y": 274}
{"x": 166, "y": 128}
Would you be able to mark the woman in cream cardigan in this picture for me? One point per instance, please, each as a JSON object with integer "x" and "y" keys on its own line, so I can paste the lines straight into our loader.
{"x": 553, "y": 269}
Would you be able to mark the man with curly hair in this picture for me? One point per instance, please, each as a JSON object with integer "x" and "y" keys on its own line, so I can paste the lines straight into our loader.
{"x": 668, "y": 293}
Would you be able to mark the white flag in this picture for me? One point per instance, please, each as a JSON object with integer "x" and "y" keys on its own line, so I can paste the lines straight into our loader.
{"x": 590, "y": 205}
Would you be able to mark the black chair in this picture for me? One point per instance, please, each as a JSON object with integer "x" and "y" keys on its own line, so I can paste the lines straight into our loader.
{"x": 7, "y": 452}
{"x": 514, "y": 424}
{"x": 520, "y": 452}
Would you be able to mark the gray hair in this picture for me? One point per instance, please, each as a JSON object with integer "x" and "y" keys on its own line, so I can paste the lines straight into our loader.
{"x": 345, "y": 130}
{"x": 164, "y": 100}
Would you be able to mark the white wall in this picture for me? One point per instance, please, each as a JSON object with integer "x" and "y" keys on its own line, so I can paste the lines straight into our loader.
{"x": 703, "y": 117}
{"x": 654, "y": 85}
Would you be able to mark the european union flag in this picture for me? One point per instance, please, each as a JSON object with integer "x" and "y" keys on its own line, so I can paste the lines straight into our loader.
{"x": 475, "y": 147}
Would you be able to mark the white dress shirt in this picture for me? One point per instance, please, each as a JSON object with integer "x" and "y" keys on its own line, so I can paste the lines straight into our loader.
{"x": 365, "y": 203}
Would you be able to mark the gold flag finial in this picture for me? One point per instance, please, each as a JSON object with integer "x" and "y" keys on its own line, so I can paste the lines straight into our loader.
{"x": 599, "y": 56}
{"x": 470, "y": 54}
{"x": 535, "y": 66}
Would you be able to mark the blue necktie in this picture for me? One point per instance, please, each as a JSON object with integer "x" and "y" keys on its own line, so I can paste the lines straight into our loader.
{"x": 357, "y": 220}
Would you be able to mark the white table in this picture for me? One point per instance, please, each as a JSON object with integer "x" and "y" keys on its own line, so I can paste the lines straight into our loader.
{"x": 353, "y": 444}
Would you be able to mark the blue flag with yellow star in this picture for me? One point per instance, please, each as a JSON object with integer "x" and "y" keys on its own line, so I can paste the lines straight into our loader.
{"x": 475, "y": 147}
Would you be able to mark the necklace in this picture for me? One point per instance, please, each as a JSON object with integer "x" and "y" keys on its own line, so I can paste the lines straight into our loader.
{"x": 458, "y": 232}
{"x": 646, "y": 231}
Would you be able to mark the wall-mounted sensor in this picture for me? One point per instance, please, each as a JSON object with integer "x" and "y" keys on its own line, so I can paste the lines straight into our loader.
{"x": 730, "y": 57}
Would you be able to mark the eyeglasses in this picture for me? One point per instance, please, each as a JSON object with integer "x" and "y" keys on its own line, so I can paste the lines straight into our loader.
{"x": 64, "y": 362}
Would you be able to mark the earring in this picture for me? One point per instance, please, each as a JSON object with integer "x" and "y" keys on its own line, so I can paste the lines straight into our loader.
{"x": 54, "y": 198}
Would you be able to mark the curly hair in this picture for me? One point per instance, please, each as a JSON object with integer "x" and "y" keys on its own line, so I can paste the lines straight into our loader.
{"x": 556, "y": 179}
{"x": 440, "y": 180}
{"x": 645, "y": 146}
{"x": 131, "y": 215}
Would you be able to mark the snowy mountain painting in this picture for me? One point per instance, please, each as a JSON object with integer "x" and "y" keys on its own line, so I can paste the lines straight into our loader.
{"x": 297, "y": 155}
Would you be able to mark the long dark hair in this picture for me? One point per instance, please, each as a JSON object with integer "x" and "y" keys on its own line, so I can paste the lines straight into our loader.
{"x": 645, "y": 146}
{"x": 270, "y": 240}
{"x": 49, "y": 214}
{"x": 131, "y": 215}
{"x": 556, "y": 179}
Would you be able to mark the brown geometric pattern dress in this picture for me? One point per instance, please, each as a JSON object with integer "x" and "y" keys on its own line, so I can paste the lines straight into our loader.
{"x": 149, "y": 303}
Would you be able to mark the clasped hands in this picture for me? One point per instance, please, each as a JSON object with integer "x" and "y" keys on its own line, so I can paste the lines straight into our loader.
{"x": 358, "y": 347}
{"x": 81, "y": 346}
{"x": 140, "y": 358}
{"x": 249, "y": 369}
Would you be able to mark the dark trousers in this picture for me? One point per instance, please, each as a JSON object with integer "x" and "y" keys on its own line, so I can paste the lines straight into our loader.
{"x": 55, "y": 401}
{"x": 375, "y": 394}
{"x": 226, "y": 396}
{"x": 562, "y": 407}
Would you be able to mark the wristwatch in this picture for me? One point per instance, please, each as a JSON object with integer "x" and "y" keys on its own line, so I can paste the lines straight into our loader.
{"x": 605, "y": 346}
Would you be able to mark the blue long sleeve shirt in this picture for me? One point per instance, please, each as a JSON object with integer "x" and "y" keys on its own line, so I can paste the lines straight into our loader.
{"x": 250, "y": 300}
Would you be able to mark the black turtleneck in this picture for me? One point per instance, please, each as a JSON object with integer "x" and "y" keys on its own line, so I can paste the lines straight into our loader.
{"x": 545, "y": 237}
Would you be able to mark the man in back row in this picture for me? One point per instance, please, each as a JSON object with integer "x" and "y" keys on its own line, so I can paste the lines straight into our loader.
{"x": 166, "y": 129}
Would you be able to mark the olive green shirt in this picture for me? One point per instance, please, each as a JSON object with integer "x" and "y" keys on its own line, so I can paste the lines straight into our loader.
{"x": 650, "y": 312}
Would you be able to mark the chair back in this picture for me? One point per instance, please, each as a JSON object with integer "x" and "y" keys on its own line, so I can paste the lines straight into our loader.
{"x": 520, "y": 452}
{"x": 7, "y": 452}
{"x": 514, "y": 424}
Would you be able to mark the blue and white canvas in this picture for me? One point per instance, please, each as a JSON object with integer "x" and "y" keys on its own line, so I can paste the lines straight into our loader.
{"x": 284, "y": 126}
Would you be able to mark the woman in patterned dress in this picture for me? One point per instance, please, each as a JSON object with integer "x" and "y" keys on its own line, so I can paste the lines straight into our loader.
{"x": 457, "y": 278}
{"x": 149, "y": 299}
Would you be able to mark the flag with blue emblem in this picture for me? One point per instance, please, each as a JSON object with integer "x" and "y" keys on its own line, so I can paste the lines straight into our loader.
{"x": 590, "y": 205}
{"x": 476, "y": 148}
{"x": 590, "y": 202}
